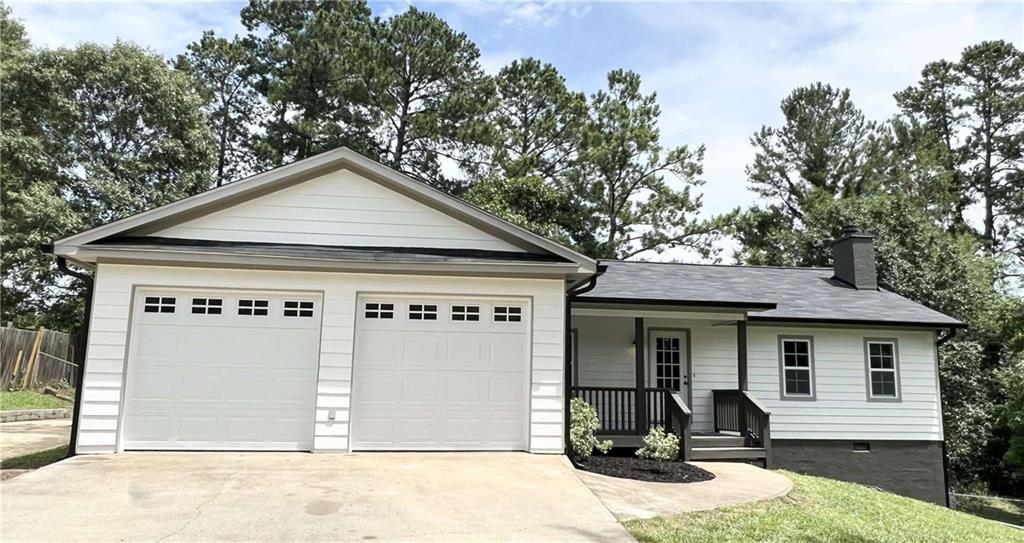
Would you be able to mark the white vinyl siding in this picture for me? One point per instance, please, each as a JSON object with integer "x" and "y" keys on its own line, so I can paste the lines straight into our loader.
{"x": 339, "y": 208}
{"x": 841, "y": 409}
{"x": 108, "y": 336}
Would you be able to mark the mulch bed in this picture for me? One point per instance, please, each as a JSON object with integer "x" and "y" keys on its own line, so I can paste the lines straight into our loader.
{"x": 639, "y": 469}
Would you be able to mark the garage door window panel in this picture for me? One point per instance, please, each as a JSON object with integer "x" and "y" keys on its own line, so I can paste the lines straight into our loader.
{"x": 207, "y": 306}
{"x": 379, "y": 310}
{"x": 298, "y": 308}
{"x": 508, "y": 313}
{"x": 423, "y": 312}
{"x": 465, "y": 313}
{"x": 159, "y": 304}
{"x": 254, "y": 308}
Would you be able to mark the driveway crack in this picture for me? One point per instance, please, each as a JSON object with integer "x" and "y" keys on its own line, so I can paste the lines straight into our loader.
{"x": 199, "y": 508}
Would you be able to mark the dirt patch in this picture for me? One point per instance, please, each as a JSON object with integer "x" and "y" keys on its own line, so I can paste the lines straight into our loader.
{"x": 640, "y": 469}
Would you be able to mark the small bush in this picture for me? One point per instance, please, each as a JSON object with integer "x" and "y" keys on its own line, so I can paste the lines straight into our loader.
{"x": 659, "y": 445}
{"x": 583, "y": 423}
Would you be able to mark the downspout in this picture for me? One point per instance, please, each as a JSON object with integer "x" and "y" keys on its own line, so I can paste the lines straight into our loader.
{"x": 82, "y": 344}
{"x": 579, "y": 287}
{"x": 939, "y": 342}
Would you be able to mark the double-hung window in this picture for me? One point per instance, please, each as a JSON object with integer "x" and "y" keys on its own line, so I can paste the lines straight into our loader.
{"x": 796, "y": 368}
{"x": 881, "y": 360}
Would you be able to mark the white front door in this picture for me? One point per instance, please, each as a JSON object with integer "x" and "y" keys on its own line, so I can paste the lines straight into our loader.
{"x": 222, "y": 370}
{"x": 667, "y": 361}
{"x": 441, "y": 373}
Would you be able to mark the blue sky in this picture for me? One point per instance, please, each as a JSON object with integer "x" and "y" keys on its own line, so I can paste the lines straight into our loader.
{"x": 720, "y": 69}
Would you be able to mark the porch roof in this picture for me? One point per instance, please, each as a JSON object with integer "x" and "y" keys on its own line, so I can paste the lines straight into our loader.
{"x": 778, "y": 294}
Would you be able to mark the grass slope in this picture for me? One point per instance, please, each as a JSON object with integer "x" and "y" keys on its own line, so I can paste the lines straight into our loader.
{"x": 27, "y": 399}
{"x": 825, "y": 511}
{"x": 36, "y": 459}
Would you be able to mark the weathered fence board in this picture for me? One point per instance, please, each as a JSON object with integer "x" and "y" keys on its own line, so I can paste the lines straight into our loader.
{"x": 34, "y": 359}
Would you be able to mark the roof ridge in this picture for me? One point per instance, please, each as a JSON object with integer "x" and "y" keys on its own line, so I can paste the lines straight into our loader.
{"x": 750, "y": 266}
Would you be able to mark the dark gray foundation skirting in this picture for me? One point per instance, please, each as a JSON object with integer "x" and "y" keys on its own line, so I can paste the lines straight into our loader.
{"x": 910, "y": 468}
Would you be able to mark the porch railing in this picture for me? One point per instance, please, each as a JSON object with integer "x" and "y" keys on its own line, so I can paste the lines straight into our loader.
{"x": 617, "y": 408}
{"x": 739, "y": 411}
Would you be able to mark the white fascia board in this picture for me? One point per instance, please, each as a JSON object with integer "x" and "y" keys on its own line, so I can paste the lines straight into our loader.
{"x": 656, "y": 314}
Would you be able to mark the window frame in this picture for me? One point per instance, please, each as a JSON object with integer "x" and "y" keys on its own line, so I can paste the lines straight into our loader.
{"x": 298, "y": 309}
{"x": 868, "y": 370}
{"x": 161, "y": 306}
{"x": 810, "y": 368}
{"x": 465, "y": 313}
{"x": 427, "y": 311}
{"x": 253, "y": 307}
{"x": 207, "y": 306}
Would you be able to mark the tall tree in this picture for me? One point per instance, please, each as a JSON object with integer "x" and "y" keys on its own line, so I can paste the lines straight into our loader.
{"x": 538, "y": 122}
{"x": 307, "y": 55}
{"x": 92, "y": 134}
{"x": 825, "y": 149}
{"x": 428, "y": 93}
{"x": 975, "y": 107}
{"x": 626, "y": 206}
{"x": 222, "y": 73}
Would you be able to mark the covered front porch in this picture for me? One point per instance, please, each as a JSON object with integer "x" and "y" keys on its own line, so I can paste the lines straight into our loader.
{"x": 679, "y": 368}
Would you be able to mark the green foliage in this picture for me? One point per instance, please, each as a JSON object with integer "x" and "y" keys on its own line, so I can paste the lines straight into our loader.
{"x": 221, "y": 72}
{"x": 427, "y": 94}
{"x": 537, "y": 122}
{"x": 583, "y": 423}
{"x": 626, "y": 207}
{"x": 306, "y": 53}
{"x": 28, "y": 399}
{"x": 529, "y": 202}
{"x": 36, "y": 460}
{"x": 1011, "y": 420}
{"x": 659, "y": 445}
{"x": 825, "y": 511}
{"x": 91, "y": 134}
{"x": 975, "y": 109}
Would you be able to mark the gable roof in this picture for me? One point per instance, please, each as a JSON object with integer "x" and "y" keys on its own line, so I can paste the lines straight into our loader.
{"x": 797, "y": 294}
{"x": 303, "y": 170}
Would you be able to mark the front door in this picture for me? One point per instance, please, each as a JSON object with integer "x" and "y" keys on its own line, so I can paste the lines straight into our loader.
{"x": 667, "y": 362}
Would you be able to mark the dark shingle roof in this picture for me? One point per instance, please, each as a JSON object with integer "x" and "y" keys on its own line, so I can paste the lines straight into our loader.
{"x": 330, "y": 252}
{"x": 798, "y": 294}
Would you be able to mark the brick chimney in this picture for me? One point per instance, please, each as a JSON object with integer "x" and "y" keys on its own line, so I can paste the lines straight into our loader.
{"x": 853, "y": 257}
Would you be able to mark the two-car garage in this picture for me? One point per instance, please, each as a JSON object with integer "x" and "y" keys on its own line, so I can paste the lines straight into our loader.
{"x": 238, "y": 370}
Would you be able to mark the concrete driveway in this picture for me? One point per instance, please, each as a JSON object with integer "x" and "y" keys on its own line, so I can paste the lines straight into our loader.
{"x": 20, "y": 438}
{"x": 305, "y": 497}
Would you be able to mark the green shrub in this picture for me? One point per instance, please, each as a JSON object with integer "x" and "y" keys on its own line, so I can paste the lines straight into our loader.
{"x": 659, "y": 445}
{"x": 583, "y": 423}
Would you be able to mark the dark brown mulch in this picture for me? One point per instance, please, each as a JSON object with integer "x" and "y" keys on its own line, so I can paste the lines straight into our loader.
{"x": 626, "y": 467}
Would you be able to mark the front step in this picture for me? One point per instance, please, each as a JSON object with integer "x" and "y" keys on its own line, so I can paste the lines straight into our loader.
{"x": 717, "y": 440}
{"x": 727, "y": 453}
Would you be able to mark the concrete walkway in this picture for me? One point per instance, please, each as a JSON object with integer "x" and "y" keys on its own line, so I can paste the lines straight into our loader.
{"x": 734, "y": 483}
{"x": 306, "y": 497}
{"x": 21, "y": 438}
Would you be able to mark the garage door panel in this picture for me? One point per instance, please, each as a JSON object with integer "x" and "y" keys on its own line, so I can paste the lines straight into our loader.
{"x": 440, "y": 384}
{"x": 222, "y": 381}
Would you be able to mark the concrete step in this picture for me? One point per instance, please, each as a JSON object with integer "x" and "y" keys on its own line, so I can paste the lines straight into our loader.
{"x": 727, "y": 453}
{"x": 717, "y": 441}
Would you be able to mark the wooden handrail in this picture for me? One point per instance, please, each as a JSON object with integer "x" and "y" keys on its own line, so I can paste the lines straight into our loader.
{"x": 681, "y": 413}
{"x": 756, "y": 403}
{"x": 740, "y": 411}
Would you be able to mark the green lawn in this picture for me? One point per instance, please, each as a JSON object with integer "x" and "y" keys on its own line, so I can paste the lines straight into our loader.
{"x": 823, "y": 511}
{"x": 1003, "y": 510}
{"x": 35, "y": 460}
{"x": 27, "y": 399}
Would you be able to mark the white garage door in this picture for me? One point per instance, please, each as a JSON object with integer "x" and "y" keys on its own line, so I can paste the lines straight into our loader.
{"x": 441, "y": 374}
{"x": 227, "y": 370}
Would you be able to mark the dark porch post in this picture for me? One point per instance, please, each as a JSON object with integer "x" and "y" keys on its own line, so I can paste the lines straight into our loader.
{"x": 741, "y": 353}
{"x": 641, "y": 396}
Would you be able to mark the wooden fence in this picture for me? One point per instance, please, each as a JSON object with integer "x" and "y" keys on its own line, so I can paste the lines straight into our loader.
{"x": 33, "y": 359}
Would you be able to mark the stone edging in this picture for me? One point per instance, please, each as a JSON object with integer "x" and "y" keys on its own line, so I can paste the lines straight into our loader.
{"x": 34, "y": 414}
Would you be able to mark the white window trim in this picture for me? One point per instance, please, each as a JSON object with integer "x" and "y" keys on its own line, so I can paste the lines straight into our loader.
{"x": 783, "y": 395}
{"x": 253, "y": 307}
{"x": 379, "y": 310}
{"x": 422, "y": 311}
{"x": 452, "y": 313}
{"x": 205, "y": 306}
{"x": 868, "y": 370}
{"x": 506, "y": 307}
{"x": 160, "y": 304}
{"x": 304, "y": 309}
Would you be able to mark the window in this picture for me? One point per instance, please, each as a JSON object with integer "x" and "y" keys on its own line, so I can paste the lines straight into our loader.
{"x": 159, "y": 304}
{"x": 206, "y": 306}
{"x": 377, "y": 310}
{"x": 465, "y": 313}
{"x": 667, "y": 366}
{"x": 295, "y": 308}
{"x": 882, "y": 362}
{"x": 422, "y": 312}
{"x": 254, "y": 308}
{"x": 796, "y": 367}
{"x": 508, "y": 313}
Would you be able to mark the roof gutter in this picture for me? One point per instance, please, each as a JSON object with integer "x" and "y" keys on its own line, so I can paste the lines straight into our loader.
{"x": 82, "y": 342}
{"x": 575, "y": 289}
